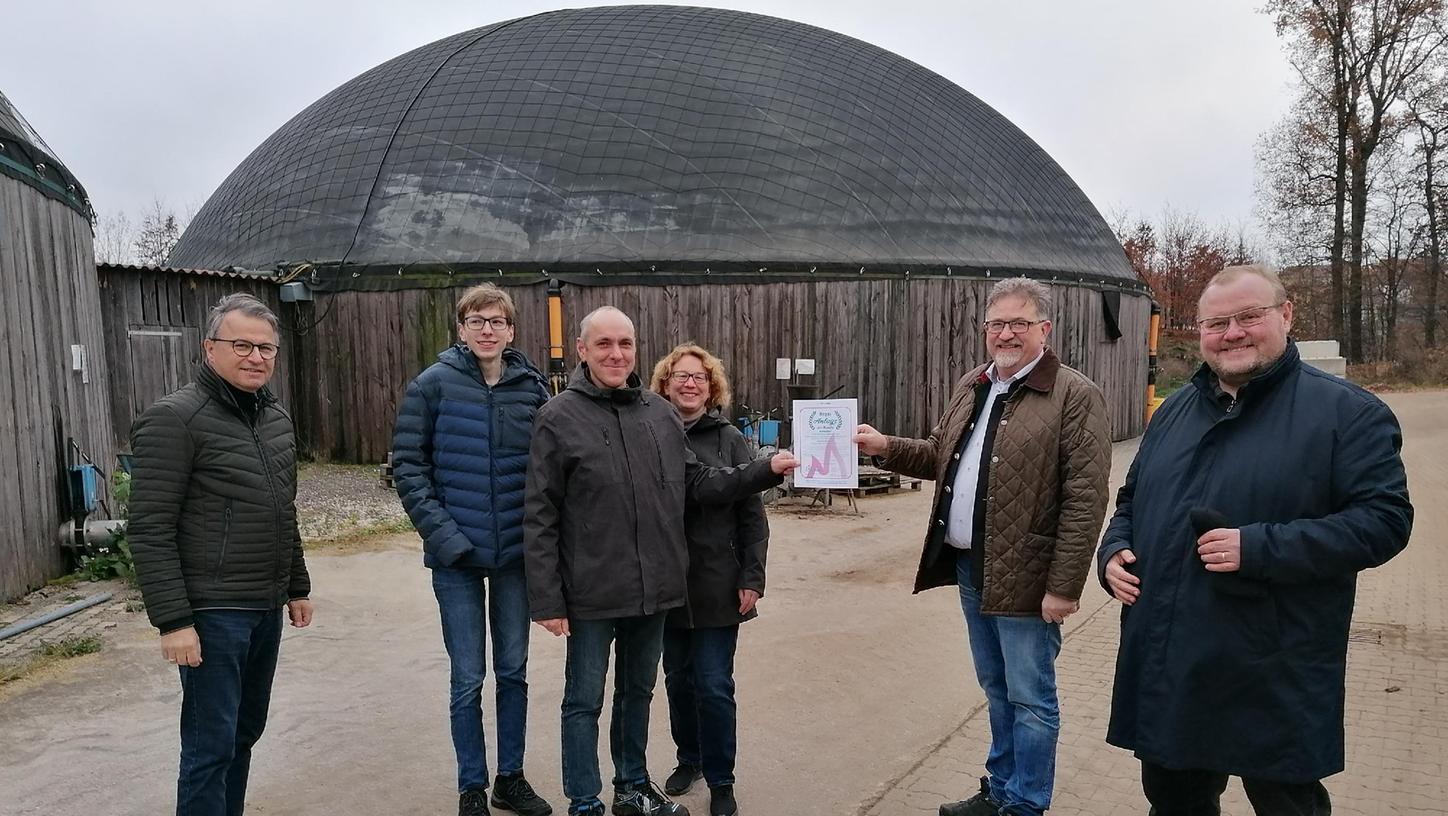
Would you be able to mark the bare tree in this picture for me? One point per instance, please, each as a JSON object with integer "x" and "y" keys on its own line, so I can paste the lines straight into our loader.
{"x": 1391, "y": 41}
{"x": 1297, "y": 197}
{"x": 114, "y": 237}
{"x": 1428, "y": 111}
{"x": 159, "y": 232}
{"x": 1396, "y": 228}
{"x": 1319, "y": 52}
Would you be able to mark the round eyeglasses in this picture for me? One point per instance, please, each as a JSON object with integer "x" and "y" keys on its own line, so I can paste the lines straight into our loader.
{"x": 244, "y": 348}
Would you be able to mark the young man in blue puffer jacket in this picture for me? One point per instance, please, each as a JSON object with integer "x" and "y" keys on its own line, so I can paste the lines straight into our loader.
{"x": 460, "y": 461}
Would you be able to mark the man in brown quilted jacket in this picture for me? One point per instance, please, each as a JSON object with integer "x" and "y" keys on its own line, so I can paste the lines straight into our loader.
{"x": 1020, "y": 461}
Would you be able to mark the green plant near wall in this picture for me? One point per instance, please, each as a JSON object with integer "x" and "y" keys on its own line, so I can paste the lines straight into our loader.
{"x": 113, "y": 558}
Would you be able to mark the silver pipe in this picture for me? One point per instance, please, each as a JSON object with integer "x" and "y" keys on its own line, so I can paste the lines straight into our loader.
{"x": 97, "y": 532}
{"x": 55, "y": 615}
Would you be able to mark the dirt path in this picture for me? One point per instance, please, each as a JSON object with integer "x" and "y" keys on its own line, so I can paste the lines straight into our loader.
{"x": 848, "y": 684}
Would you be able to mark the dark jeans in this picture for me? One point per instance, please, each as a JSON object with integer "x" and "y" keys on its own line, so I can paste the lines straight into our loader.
{"x": 1015, "y": 663}
{"x": 699, "y": 679}
{"x": 637, "y": 644}
{"x": 1195, "y": 793}
{"x": 223, "y": 708}
{"x": 468, "y": 613}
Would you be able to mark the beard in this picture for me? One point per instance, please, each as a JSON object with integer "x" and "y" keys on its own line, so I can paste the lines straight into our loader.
{"x": 1008, "y": 358}
{"x": 1240, "y": 370}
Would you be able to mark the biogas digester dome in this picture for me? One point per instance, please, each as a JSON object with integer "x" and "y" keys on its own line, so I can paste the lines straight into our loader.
{"x": 769, "y": 189}
{"x": 651, "y": 137}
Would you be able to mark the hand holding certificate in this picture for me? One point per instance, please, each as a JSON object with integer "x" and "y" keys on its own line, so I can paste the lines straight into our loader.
{"x": 824, "y": 442}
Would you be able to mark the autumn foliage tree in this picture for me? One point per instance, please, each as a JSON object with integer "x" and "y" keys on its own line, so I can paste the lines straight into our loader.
{"x": 1177, "y": 256}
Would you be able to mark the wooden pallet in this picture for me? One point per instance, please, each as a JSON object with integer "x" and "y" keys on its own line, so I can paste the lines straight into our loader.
{"x": 875, "y": 482}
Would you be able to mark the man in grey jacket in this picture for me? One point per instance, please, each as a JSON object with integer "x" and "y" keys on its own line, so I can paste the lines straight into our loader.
{"x": 213, "y": 529}
{"x": 609, "y": 469}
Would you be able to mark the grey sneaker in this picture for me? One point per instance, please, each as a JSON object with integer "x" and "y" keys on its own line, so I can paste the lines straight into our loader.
{"x": 978, "y": 805}
{"x": 473, "y": 802}
{"x": 645, "y": 800}
{"x": 515, "y": 794}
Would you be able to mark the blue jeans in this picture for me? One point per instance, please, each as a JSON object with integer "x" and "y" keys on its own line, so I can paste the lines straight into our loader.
{"x": 468, "y": 611}
{"x": 1015, "y": 662}
{"x": 223, "y": 708}
{"x": 637, "y": 644}
{"x": 699, "y": 679}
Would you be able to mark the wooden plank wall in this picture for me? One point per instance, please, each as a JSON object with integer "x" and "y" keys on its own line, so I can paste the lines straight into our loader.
{"x": 898, "y": 346}
{"x": 154, "y": 323}
{"x": 48, "y": 302}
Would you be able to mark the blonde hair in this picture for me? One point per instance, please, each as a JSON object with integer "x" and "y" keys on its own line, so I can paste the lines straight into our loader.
{"x": 481, "y": 297}
{"x": 719, "y": 393}
{"x": 1233, "y": 273}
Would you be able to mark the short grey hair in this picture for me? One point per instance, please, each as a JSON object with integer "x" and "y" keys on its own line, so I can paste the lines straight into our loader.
{"x": 249, "y": 305}
{"x": 587, "y": 322}
{"x": 1033, "y": 290}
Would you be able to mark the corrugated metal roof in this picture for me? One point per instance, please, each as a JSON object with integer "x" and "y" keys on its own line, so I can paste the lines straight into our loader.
{"x": 233, "y": 272}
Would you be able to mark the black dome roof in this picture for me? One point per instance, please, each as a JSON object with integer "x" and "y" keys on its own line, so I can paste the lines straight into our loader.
{"x": 26, "y": 157}
{"x": 642, "y": 135}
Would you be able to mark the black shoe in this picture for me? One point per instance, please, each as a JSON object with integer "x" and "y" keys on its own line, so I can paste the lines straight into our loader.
{"x": 682, "y": 779}
{"x": 721, "y": 801}
{"x": 515, "y": 794}
{"x": 645, "y": 800}
{"x": 473, "y": 802}
{"x": 978, "y": 805}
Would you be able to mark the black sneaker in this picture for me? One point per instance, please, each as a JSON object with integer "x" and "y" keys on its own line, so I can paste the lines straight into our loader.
{"x": 645, "y": 800}
{"x": 721, "y": 801}
{"x": 682, "y": 779}
{"x": 515, "y": 794}
{"x": 473, "y": 802}
{"x": 978, "y": 805}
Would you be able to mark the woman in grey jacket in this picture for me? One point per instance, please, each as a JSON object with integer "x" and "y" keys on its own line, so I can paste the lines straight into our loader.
{"x": 727, "y": 545}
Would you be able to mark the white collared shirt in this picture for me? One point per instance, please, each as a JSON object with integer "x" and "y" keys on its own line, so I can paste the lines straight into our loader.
{"x": 960, "y": 526}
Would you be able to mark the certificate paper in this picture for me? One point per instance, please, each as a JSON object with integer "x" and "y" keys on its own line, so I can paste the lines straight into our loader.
{"x": 824, "y": 443}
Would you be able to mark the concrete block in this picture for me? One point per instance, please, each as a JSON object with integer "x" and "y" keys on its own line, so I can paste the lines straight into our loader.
{"x": 1332, "y": 365}
{"x": 1317, "y": 349}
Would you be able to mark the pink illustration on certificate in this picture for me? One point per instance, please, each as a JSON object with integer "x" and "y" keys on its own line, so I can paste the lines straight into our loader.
{"x": 824, "y": 443}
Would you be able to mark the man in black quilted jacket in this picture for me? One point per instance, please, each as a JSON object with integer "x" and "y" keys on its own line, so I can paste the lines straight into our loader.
{"x": 213, "y": 528}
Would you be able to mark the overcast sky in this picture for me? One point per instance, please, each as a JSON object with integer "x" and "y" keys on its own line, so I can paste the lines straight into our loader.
{"x": 1146, "y": 103}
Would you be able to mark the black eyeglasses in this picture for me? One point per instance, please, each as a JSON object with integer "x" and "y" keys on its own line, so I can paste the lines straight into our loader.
{"x": 244, "y": 348}
{"x": 681, "y": 377}
{"x": 1017, "y": 326}
{"x": 475, "y": 323}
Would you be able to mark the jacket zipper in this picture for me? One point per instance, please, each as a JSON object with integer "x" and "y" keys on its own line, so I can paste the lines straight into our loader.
{"x": 491, "y": 405}
{"x": 276, "y": 505}
{"x": 658, "y": 453}
{"x": 225, "y": 539}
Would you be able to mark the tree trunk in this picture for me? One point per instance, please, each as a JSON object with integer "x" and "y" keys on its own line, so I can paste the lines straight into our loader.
{"x": 1359, "y": 202}
{"x": 1344, "y": 109}
{"x": 1339, "y": 233}
{"x": 1435, "y": 258}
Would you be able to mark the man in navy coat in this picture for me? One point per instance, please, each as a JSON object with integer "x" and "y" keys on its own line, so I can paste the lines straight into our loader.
{"x": 1260, "y": 491}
